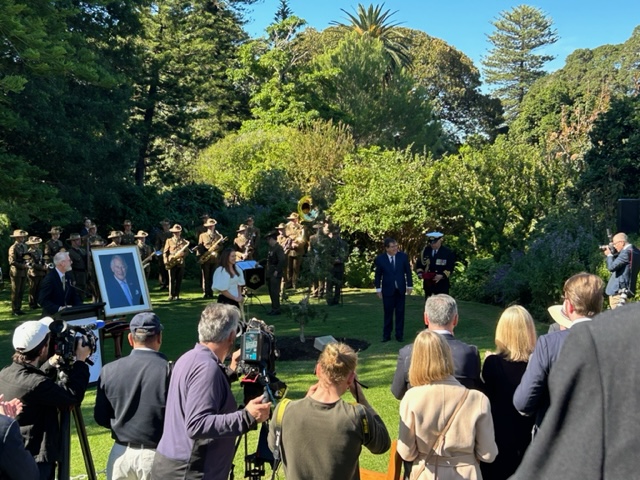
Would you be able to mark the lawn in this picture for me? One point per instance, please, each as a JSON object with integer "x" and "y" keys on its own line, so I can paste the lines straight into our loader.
{"x": 359, "y": 317}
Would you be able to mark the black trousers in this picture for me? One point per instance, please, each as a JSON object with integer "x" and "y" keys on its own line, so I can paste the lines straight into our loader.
{"x": 393, "y": 303}
{"x": 273, "y": 284}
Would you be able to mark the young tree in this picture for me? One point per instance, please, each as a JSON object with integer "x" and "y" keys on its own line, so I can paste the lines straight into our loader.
{"x": 513, "y": 65}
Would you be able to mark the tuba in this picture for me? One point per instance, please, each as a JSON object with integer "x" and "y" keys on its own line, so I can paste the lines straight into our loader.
{"x": 307, "y": 210}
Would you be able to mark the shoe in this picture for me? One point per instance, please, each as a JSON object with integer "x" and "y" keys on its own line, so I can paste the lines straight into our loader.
{"x": 384, "y": 340}
{"x": 205, "y": 295}
{"x": 400, "y": 339}
{"x": 274, "y": 312}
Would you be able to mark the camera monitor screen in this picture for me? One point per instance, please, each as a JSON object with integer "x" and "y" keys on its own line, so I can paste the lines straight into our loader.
{"x": 251, "y": 346}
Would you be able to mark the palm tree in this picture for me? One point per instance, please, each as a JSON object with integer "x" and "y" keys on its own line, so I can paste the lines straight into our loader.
{"x": 373, "y": 22}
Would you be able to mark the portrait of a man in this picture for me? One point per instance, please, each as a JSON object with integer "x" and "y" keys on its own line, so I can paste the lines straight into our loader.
{"x": 121, "y": 281}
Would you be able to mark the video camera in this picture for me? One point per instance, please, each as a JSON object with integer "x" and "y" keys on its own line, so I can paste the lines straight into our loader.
{"x": 258, "y": 355}
{"x": 65, "y": 340}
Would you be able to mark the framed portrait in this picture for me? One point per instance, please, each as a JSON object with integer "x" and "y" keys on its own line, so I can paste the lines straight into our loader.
{"x": 121, "y": 279}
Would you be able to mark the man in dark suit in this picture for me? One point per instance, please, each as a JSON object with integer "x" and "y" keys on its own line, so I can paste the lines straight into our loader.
{"x": 589, "y": 432}
{"x": 441, "y": 316}
{"x": 393, "y": 281}
{"x": 435, "y": 265}
{"x": 57, "y": 290}
{"x": 121, "y": 290}
{"x": 582, "y": 300}
{"x": 619, "y": 264}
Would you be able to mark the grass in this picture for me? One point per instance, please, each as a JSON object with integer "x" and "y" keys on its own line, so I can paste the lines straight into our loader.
{"x": 359, "y": 317}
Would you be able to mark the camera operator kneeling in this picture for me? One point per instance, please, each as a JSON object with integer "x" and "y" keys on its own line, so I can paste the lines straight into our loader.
{"x": 321, "y": 436}
{"x": 31, "y": 378}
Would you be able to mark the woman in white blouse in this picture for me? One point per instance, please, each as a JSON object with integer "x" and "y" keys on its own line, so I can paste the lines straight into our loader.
{"x": 227, "y": 279}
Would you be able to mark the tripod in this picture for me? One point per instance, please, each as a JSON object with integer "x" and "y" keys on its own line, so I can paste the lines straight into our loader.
{"x": 65, "y": 436}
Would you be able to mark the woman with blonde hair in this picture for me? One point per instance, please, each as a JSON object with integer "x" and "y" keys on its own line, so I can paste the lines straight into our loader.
{"x": 445, "y": 429}
{"x": 501, "y": 373}
{"x": 321, "y": 436}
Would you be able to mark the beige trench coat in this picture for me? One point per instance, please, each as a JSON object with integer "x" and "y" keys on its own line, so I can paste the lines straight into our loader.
{"x": 424, "y": 412}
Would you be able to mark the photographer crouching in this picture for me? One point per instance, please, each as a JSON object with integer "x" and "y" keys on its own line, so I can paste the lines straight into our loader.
{"x": 619, "y": 253}
{"x": 32, "y": 378}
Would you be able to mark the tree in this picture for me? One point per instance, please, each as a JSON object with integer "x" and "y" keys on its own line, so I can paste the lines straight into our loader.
{"x": 283, "y": 12}
{"x": 373, "y": 22}
{"x": 512, "y": 65}
{"x": 393, "y": 114}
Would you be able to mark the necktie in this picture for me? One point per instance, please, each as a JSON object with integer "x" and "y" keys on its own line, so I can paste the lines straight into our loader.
{"x": 127, "y": 292}
{"x": 435, "y": 252}
{"x": 393, "y": 263}
{"x": 64, "y": 283}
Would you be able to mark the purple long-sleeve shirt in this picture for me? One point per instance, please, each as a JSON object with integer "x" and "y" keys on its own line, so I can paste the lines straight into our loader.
{"x": 201, "y": 420}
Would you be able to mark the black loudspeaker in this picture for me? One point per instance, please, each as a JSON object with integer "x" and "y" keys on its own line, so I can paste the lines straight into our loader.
{"x": 628, "y": 215}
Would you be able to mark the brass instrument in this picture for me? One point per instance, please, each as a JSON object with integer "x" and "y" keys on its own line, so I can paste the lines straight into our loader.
{"x": 147, "y": 260}
{"x": 307, "y": 210}
{"x": 178, "y": 257}
{"x": 211, "y": 251}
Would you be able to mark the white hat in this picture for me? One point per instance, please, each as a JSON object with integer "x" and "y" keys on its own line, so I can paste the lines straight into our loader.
{"x": 29, "y": 335}
{"x": 434, "y": 235}
{"x": 559, "y": 316}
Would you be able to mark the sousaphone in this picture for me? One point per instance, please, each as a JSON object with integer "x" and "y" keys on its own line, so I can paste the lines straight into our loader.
{"x": 307, "y": 210}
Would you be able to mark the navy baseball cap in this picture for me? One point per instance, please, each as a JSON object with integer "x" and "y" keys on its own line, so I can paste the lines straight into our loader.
{"x": 146, "y": 323}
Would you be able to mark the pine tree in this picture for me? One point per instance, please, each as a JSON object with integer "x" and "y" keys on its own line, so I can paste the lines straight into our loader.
{"x": 283, "y": 12}
{"x": 512, "y": 66}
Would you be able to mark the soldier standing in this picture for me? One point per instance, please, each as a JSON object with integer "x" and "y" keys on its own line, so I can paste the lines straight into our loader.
{"x": 339, "y": 252}
{"x": 17, "y": 270}
{"x": 296, "y": 236}
{"x": 276, "y": 264}
{"x": 206, "y": 242}
{"x": 146, "y": 253}
{"x": 435, "y": 265}
{"x": 37, "y": 269}
{"x": 116, "y": 238}
{"x": 53, "y": 245}
{"x": 253, "y": 234}
{"x": 243, "y": 243}
{"x": 78, "y": 257}
{"x": 161, "y": 240}
{"x": 175, "y": 250}
{"x": 128, "y": 238}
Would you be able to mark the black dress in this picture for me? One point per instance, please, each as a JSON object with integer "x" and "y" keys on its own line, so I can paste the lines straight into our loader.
{"x": 513, "y": 431}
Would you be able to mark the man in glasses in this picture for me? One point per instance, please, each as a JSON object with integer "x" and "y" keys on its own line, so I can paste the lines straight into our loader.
{"x": 583, "y": 299}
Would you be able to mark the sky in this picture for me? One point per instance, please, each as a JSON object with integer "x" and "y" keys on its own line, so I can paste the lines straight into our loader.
{"x": 465, "y": 24}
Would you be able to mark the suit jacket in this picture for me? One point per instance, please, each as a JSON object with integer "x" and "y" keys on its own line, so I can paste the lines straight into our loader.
{"x": 52, "y": 296}
{"x": 16, "y": 463}
{"x": 532, "y": 395}
{"x": 620, "y": 267}
{"x": 116, "y": 295}
{"x": 386, "y": 277}
{"x": 590, "y": 430}
{"x": 466, "y": 364}
{"x": 424, "y": 412}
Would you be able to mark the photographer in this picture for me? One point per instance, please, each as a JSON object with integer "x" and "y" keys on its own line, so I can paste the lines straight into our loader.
{"x": 28, "y": 379}
{"x": 322, "y": 435}
{"x": 618, "y": 254}
{"x": 202, "y": 420}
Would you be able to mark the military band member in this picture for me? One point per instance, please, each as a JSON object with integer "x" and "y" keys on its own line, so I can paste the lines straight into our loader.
{"x": 146, "y": 252}
{"x": 295, "y": 234}
{"x": 276, "y": 265}
{"x": 435, "y": 265}
{"x": 244, "y": 244}
{"x": 175, "y": 250}
{"x": 128, "y": 238}
{"x": 161, "y": 240}
{"x": 202, "y": 229}
{"x": 92, "y": 283}
{"x": 37, "y": 269}
{"x": 53, "y": 245}
{"x": 84, "y": 231}
{"x": 17, "y": 270}
{"x": 253, "y": 233}
{"x": 339, "y": 252}
{"x": 93, "y": 236}
{"x": 286, "y": 245}
{"x": 209, "y": 247}
{"x": 318, "y": 243}
{"x": 79, "y": 265}
{"x": 116, "y": 238}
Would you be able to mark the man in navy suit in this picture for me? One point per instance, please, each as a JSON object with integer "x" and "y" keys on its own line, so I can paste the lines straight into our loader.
{"x": 57, "y": 291}
{"x": 583, "y": 299}
{"x": 619, "y": 264}
{"x": 121, "y": 290}
{"x": 393, "y": 281}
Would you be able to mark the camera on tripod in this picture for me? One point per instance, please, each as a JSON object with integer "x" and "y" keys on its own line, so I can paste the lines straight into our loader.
{"x": 65, "y": 339}
{"x": 258, "y": 355}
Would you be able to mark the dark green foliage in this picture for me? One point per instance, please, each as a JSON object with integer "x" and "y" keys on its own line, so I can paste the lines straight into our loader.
{"x": 512, "y": 65}
{"x": 470, "y": 282}
{"x": 186, "y": 204}
{"x": 358, "y": 270}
